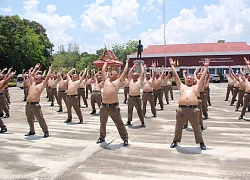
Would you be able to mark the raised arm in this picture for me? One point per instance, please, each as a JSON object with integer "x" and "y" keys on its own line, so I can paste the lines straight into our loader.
{"x": 247, "y": 62}
{"x": 3, "y": 70}
{"x": 184, "y": 74}
{"x": 84, "y": 75}
{"x": 68, "y": 74}
{"x": 7, "y": 80}
{"x": 177, "y": 78}
{"x": 201, "y": 82}
{"x": 48, "y": 76}
{"x": 196, "y": 72}
{"x": 142, "y": 72}
{"x": 131, "y": 71}
{"x": 124, "y": 73}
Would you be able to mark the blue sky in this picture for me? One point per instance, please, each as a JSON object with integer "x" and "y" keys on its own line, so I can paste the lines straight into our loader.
{"x": 91, "y": 24}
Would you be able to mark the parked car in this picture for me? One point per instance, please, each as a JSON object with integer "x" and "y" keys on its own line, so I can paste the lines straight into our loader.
{"x": 215, "y": 78}
{"x": 19, "y": 81}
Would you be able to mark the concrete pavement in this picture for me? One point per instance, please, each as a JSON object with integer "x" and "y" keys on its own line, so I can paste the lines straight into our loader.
{"x": 71, "y": 151}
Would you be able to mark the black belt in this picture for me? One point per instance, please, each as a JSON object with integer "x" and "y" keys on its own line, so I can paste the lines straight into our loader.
{"x": 63, "y": 91}
{"x": 134, "y": 96}
{"x": 126, "y": 87}
{"x": 201, "y": 92}
{"x": 188, "y": 106}
{"x": 1, "y": 93}
{"x": 81, "y": 88}
{"x": 110, "y": 105}
{"x": 88, "y": 84}
{"x": 230, "y": 86}
{"x": 247, "y": 92}
{"x": 236, "y": 87}
{"x": 157, "y": 90}
{"x": 6, "y": 88}
{"x": 164, "y": 86}
{"x": 32, "y": 103}
{"x": 72, "y": 95}
{"x": 148, "y": 92}
{"x": 96, "y": 91}
{"x": 241, "y": 90}
{"x": 53, "y": 88}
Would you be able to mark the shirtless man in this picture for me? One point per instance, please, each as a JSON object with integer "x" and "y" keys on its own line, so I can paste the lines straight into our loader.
{"x": 134, "y": 99}
{"x": 230, "y": 84}
{"x": 53, "y": 89}
{"x": 241, "y": 89}
{"x": 164, "y": 86}
{"x": 88, "y": 85}
{"x": 62, "y": 89}
{"x": 33, "y": 108}
{"x": 3, "y": 85}
{"x": 25, "y": 85}
{"x": 169, "y": 89}
{"x": 207, "y": 89}
{"x": 72, "y": 95}
{"x": 148, "y": 94}
{"x": 247, "y": 89}
{"x": 49, "y": 87}
{"x": 126, "y": 90}
{"x": 188, "y": 103}
{"x": 157, "y": 86}
{"x": 81, "y": 91}
{"x": 4, "y": 106}
{"x": 96, "y": 96}
{"x": 236, "y": 87}
{"x": 110, "y": 103}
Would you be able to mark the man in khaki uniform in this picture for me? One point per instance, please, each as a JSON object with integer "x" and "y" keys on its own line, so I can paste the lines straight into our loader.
{"x": 126, "y": 90}
{"x": 53, "y": 89}
{"x": 110, "y": 103}
{"x": 157, "y": 86}
{"x": 96, "y": 96}
{"x": 62, "y": 90}
{"x": 81, "y": 91}
{"x": 72, "y": 95}
{"x": 134, "y": 94}
{"x": 88, "y": 85}
{"x": 230, "y": 84}
{"x": 188, "y": 103}
{"x": 33, "y": 108}
{"x": 2, "y": 86}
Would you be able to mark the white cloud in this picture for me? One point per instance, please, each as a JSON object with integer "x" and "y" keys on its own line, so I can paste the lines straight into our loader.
{"x": 54, "y": 24}
{"x": 102, "y": 18}
{"x": 7, "y": 10}
{"x": 112, "y": 38}
{"x": 229, "y": 20}
{"x": 153, "y": 5}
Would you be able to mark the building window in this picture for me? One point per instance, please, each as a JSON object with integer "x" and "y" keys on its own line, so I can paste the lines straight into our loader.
{"x": 212, "y": 71}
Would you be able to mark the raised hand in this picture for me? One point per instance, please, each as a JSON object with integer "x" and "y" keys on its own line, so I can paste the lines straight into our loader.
{"x": 171, "y": 61}
{"x": 247, "y": 61}
{"x": 206, "y": 63}
{"x": 37, "y": 65}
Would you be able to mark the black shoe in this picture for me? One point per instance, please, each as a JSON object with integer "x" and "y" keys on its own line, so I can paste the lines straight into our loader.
{"x": 6, "y": 115}
{"x": 48, "y": 100}
{"x": 202, "y": 128}
{"x": 3, "y": 130}
{"x": 124, "y": 102}
{"x": 125, "y": 143}
{"x": 143, "y": 124}
{"x": 86, "y": 106}
{"x": 185, "y": 126}
{"x": 225, "y": 100}
{"x": 128, "y": 123}
{"x": 210, "y": 104}
{"x": 241, "y": 117}
{"x": 154, "y": 115}
{"x": 68, "y": 121}
{"x": 24, "y": 100}
{"x": 100, "y": 141}
{"x": 236, "y": 110}
{"x": 206, "y": 117}
{"x": 30, "y": 134}
{"x": 1, "y": 114}
{"x": 202, "y": 146}
{"x": 59, "y": 110}
{"x": 81, "y": 122}
{"x": 93, "y": 112}
{"x": 52, "y": 105}
{"x": 46, "y": 134}
{"x": 161, "y": 108}
{"x": 174, "y": 144}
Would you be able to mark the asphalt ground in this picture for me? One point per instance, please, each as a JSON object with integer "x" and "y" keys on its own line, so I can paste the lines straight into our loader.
{"x": 71, "y": 152}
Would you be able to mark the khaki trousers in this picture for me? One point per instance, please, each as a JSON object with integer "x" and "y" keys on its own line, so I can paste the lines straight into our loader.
{"x": 204, "y": 103}
{"x": 171, "y": 91}
{"x": 3, "y": 104}
{"x": 135, "y": 101}
{"x": 53, "y": 92}
{"x": 192, "y": 115}
{"x": 246, "y": 103}
{"x": 26, "y": 92}
{"x": 158, "y": 95}
{"x": 50, "y": 93}
{"x": 61, "y": 96}
{"x": 164, "y": 92}
{"x": 73, "y": 101}
{"x": 207, "y": 92}
{"x": 88, "y": 88}
{"x": 240, "y": 99}
{"x": 2, "y": 124}
{"x": 126, "y": 92}
{"x": 34, "y": 110}
{"x": 229, "y": 89}
{"x": 114, "y": 113}
{"x": 81, "y": 93}
{"x": 7, "y": 95}
{"x": 148, "y": 97}
{"x": 200, "y": 113}
{"x": 96, "y": 97}
{"x": 235, "y": 92}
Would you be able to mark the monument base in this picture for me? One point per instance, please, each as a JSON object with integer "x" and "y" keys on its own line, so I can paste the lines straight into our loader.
{"x": 138, "y": 62}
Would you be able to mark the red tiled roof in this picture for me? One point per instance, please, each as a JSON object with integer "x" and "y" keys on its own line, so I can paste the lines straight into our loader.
{"x": 196, "y": 48}
{"x": 101, "y": 62}
{"x": 112, "y": 54}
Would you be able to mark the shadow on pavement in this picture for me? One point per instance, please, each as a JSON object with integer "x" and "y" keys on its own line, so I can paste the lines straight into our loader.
{"x": 189, "y": 150}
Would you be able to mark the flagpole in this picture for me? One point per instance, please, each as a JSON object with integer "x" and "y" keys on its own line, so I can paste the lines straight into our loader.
{"x": 165, "y": 58}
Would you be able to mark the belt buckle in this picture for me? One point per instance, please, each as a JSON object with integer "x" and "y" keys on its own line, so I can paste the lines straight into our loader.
{"x": 107, "y": 105}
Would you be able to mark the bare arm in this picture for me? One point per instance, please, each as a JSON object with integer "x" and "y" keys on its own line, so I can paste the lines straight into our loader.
{"x": 47, "y": 77}
{"x": 3, "y": 70}
{"x": 84, "y": 75}
{"x": 104, "y": 74}
{"x": 184, "y": 74}
{"x": 7, "y": 80}
{"x": 142, "y": 72}
{"x": 68, "y": 74}
{"x": 247, "y": 62}
{"x": 177, "y": 78}
{"x": 201, "y": 82}
{"x": 131, "y": 71}
{"x": 123, "y": 75}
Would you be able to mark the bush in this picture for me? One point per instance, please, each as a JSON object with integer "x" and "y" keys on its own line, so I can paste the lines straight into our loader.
{"x": 12, "y": 84}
